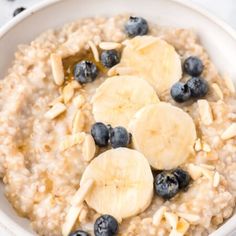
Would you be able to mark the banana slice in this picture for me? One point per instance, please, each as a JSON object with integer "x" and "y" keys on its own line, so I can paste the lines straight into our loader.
{"x": 164, "y": 134}
{"x": 154, "y": 60}
{"x": 123, "y": 183}
{"x": 120, "y": 97}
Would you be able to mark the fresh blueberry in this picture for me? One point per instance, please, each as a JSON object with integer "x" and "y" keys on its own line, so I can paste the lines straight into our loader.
{"x": 100, "y": 134}
{"x": 180, "y": 92}
{"x": 136, "y": 26}
{"x": 198, "y": 87}
{"x": 79, "y": 233}
{"x": 166, "y": 185}
{"x": 183, "y": 177}
{"x": 85, "y": 72}
{"x": 193, "y": 66}
{"x": 110, "y": 58}
{"x": 119, "y": 137}
{"x": 18, "y": 11}
{"x": 106, "y": 225}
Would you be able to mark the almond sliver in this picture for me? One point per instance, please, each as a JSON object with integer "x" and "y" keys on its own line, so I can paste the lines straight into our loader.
{"x": 70, "y": 219}
{"x": 189, "y": 217}
{"x": 216, "y": 179}
{"x": 172, "y": 219}
{"x": 56, "y": 100}
{"x": 89, "y": 148}
{"x": 68, "y": 93}
{"x": 82, "y": 192}
{"x": 70, "y": 140}
{"x": 55, "y": 111}
{"x": 94, "y": 50}
{"x": 182, "y": 226}
{"x": 230, "y": 132}
{"x": 218, "y": 91}
{"x": 109, "y": 45}
{"x": 205, "y": 112}
{"x": 229, "y": 83}
{"x": 79, "y": 101}
{"x": 57, "y": 69}
{"x": 76, "y": 206}
{"x": 78, "y": 122}
{"x": 159, "y": 214}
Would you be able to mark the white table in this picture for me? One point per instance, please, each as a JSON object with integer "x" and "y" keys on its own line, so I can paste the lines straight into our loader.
{"x": 226, "y": 9}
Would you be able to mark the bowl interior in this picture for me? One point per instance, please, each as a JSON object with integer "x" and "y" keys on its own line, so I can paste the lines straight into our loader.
{"x": 218, "y": 38}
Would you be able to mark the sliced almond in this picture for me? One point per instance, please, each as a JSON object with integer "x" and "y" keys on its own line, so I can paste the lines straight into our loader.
{"x": 208, "y": 173}
{"x": 57, "y": 69}
{"x": 182, "y": 226}
{"x": 109, "y": 45}
{"x": 71, "y": 140}
{"x": 189, "y": 217}
{"x": 174, "y": 232}
{"x": 172, "y": 219}
{"x": 230, "y": 132}
{"x": 76, "y": 207}
{"x": 209, "y": 167}
{"x": 206, "y": 147}
{"x": 218, "y": 91}
{"x": 68, "y": 92}
{"x": 194, "y": 171}
{"x": 55, "y": 111}
{"x": 198, "y": 145}
{"x": 229, "y": 83}
{"x": 70, "y": 219}
{"x": 159, "y": 214}
{"x": 82, "y": 192}
{"x": 89, "y": 148}
{"x": 78, "y": 122}
{"x": 75, "y": 84}
{"x": 56, "y": 100}
{"x": 216, "y": 179}
{"x": 83, "y": 214}
{"x": 79, "y": 101}
{"x": 205, "y": 112}
{"x": 94, "y": 50}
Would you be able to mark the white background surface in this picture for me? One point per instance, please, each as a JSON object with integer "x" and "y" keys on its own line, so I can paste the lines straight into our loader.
{"x": 225, "y": 9}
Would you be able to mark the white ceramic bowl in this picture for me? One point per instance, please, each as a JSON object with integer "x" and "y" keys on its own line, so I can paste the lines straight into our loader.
{"x": 217, "y": 37}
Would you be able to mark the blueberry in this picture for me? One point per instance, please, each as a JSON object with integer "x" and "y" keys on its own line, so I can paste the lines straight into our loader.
{"x": 136, "y": 26}
{"x": 79, "y": 233}
{"x": 119, "y": 137}
{"x": 198, "y": 87}
{"x": 85, "y": 72}
{"x": 18, "y": 11}
{"x": 106, "y": 225}
{"x": 166, "y": 185}
{"x": 100, "y": 134}
{"x": 180, "y": 92}
{"x": 110, "y": 58}
{"x": 183, "y": 177}
{"x": 193, "y": 66}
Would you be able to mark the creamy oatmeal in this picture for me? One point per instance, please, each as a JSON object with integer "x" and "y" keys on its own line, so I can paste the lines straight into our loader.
{"x": 116, "y": 126}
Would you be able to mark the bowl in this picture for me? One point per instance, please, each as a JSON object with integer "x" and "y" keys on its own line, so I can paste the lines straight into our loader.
{"x": 218, "y": 38}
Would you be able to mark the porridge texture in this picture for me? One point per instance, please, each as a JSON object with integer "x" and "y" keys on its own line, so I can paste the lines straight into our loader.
{"x": 46, "y": 143}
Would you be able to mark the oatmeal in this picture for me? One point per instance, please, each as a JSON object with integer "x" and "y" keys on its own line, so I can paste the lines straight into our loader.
{"x": 116, "y": 126}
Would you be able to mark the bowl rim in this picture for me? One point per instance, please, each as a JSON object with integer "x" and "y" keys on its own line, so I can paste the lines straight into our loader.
{"x": 14, "y": 227}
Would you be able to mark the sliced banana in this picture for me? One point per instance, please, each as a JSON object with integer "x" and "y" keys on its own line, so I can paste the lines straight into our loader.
{"x": 154, "y": 60}
{"x": 123, "y": 183}
{"x": 164, "y": 134}
{"x": 120, "y": 97}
